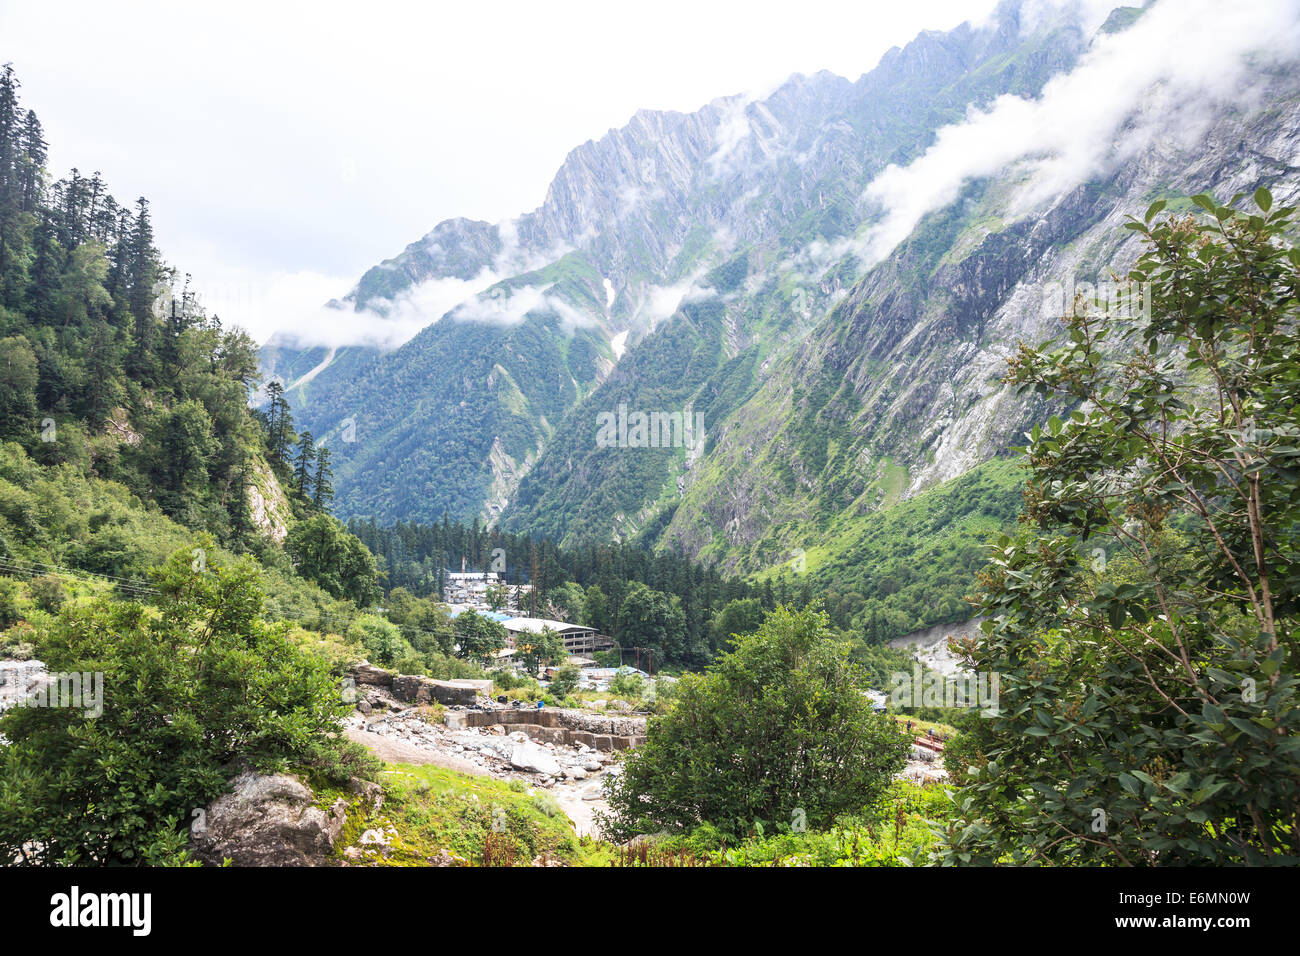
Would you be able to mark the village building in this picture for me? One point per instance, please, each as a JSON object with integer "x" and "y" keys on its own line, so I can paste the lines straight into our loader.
{"x": 577, "y": 638}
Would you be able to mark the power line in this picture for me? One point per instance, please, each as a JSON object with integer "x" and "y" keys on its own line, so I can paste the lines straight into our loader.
{"x": 133, "y": 585}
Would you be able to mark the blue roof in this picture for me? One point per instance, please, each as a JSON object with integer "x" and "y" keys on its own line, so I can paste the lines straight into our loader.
{"x": 494, "y": 615}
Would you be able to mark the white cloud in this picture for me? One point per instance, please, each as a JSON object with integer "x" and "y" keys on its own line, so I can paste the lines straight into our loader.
{"x": 502, "y": 306}
{"x": 287, "y": 145}
{"x": 1161, "y": 78}
{"x": 658, "y": 302}
{"x": 292, "y": 307}
{"x": 732, "y": 131}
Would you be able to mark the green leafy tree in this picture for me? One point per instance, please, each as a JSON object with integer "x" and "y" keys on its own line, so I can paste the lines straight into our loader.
{"x": 17, "y": 387}
{"x": 179, "y": 447}
{"x": 627, "y": 685}
{"x": 10, "y": 611}
{"x": 778, "y": 729}
{"x": 324, "y": 552}
{"x": 48, "y": 593}
{"x": 1143, "y": 621}
{"x": 381, "y": 639}
{"x": 540, "y": 650}
{"x": 191, "y": 691}
{"x": 568, "y": 599}
{"x": 595, "y": 609}
{"x": 737, "y": 617}
{"x": 477, "y": 637}
{"x": 652, "y": 620}
{"x": 567, "y": 678}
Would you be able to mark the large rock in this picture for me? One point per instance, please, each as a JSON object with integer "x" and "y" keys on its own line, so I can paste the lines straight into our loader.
{"x": 425, "y": 690}
{"x": 367, "y": 673}
{"x": 267, "y": 821}
{"x": 413, "y": 689}
{"x": 19, "y": 680}
{"x": 530, "y": 759}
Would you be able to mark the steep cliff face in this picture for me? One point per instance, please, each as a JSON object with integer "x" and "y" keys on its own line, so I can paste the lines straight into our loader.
{"x": 603, "y": 293}
{"x": 723, "y": 263}
{"x": 900, "y": 388}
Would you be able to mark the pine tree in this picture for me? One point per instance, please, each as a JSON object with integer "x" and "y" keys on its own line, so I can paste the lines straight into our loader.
{"x": 279, "y": 425}
{"x": 305, "y": 463}
{"x": 32, "y": 168}
{"x": 323, "y": 492}
{"x": 142, "y": 270}
{"x": 10, "y": 119}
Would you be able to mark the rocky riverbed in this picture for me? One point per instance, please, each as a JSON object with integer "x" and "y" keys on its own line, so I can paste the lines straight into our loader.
{"x": 574, "y": 774}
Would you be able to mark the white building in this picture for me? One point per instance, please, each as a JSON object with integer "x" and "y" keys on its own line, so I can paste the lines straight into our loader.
{"x": 576, "y": 637}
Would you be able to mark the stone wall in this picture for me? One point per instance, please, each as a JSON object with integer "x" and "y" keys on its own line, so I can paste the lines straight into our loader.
{"x": 414, "y": 689}
{"x": 570, "y": 727}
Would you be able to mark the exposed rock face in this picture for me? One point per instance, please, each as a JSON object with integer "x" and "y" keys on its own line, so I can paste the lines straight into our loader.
{"x": 267, "y": 504}
{"x": 268, "y": 821}
{"x": 19, "y": 680}
{"x": 426, "y": 690}
{"x": 559, "y": 727}
{"x": 632, "y": 222}
{"x": 367, "y": 673}
{"x": 831, "y": 383}
{"x": 415, "y": 689}
{"x": 906, "y": 373}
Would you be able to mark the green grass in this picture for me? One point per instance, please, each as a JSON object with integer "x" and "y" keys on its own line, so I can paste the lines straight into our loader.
{"x": 913, "y": 561}
{"x": 478, "y": 820}
{"x": 899, "y": 832}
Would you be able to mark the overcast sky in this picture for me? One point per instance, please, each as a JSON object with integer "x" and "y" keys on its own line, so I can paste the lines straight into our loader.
{"x": 286, "y": 147}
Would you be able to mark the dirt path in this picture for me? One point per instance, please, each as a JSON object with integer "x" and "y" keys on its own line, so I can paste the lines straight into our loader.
{"x": 397, "y": 751}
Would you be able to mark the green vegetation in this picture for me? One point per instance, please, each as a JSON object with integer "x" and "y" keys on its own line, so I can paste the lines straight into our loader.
{"x": 325, "y": 553}
{"x": 660, "y": 603}
{"x": 567, "y": 677}
{"x": 511, "y": 380}
{"x": 129, "y": 546}
{"x": 476, "y": 820}
{"x": 194, "y": 686}
{"x": 1143, "y": 620}
{"x": 898, "y": 831}
{"x": 894, "y": 571}
{"x": 778, "y": 730}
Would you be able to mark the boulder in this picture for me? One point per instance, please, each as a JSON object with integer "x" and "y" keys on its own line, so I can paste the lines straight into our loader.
{"x": 425, "y": 690}
{"x": 19, "y": 680}
{"x": 370, "y": 791}
{"x": 532, "y": 759}
{"x": 267, "y": 820}
{"x": 413, "y": 689}
{"x": 455, "y": 691}
{"x": 367, "y": 673}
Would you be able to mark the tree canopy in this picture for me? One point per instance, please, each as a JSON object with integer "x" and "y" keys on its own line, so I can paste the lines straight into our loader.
{"x": 778, "y": 730}
{"x": 1143, "y": 620}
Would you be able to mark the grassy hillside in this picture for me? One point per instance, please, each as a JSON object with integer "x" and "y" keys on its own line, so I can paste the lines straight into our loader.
{"x": 910, "y": 564}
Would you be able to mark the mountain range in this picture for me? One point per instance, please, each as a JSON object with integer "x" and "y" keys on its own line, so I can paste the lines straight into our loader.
{"x": 826, "y": 276}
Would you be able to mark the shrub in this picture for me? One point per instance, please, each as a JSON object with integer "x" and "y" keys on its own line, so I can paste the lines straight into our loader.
{"x": 567, "y": 678}
{"x": 630, "y": 686}
{"x": 191, "y": 692}
{"x": 10, "y": 614}
{"x": 48, "y": 593}
{"x": 779, "y": 725}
